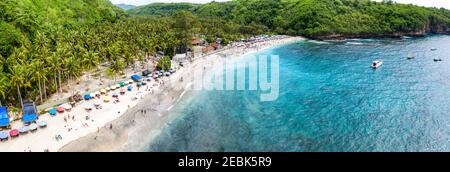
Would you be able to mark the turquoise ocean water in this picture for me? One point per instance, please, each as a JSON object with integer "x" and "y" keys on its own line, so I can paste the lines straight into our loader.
{"x": 330, "y": 100}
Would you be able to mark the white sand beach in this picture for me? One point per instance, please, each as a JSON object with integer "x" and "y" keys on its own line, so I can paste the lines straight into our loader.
{"x": 111, "y": 127}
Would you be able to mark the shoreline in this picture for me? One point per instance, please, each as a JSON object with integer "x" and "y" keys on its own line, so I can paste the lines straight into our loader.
{"x": 140, "y": 124}
{"x": 374, "y": 36}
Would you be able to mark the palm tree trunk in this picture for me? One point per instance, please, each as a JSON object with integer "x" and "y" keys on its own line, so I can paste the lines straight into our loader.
{"x": 59, "y": 76}
{"x": 56, "y": 82}
{"x": 20, "y": 96}
{"x": 0, "y": 102}
{"x": 45, "y": 91}
{"x": 40, "y": 90}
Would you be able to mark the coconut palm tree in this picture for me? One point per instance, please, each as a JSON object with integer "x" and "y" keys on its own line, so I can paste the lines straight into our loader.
{"x": 17, "y": 77}
{"x": 38, "y": 74}
{"x": 4, "y": 85}
{"x": 53, "y": 62}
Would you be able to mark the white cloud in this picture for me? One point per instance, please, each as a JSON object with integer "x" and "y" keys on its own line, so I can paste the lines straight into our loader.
{"x": 427, "y": 3}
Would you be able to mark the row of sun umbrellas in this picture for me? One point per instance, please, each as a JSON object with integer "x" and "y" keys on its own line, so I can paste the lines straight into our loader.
{"x": 59, "y": 109}
{"x": 111, "y": 88}
{"x": 23, "y": 130}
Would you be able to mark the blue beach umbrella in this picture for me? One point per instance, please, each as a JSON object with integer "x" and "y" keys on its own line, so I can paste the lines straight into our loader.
{"x": 52, "y": 112}
{"x": 4, "y": 135}
{"x": 130, "y": 88}
{"x": 87, "y": 97}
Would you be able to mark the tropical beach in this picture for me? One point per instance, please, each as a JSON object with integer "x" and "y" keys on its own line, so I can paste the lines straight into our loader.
{"x": 344, "y": 75}
{"x": 107, "y": 129}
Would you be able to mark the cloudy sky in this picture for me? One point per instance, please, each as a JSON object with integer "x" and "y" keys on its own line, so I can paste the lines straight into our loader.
{"x": 428, "y": 3}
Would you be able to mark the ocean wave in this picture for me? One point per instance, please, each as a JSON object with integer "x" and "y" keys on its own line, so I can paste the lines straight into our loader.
{"x": 354, "y": 43}
{"x": 318, "y": 42}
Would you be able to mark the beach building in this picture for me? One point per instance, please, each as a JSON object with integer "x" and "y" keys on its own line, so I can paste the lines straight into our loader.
{"x": 29, "y": 112}
{"x": 198, "y": 42}
{"x": 4, "y": 117}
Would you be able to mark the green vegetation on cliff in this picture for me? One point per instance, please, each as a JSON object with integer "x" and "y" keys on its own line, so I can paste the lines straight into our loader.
{"x": 320, "y": 18}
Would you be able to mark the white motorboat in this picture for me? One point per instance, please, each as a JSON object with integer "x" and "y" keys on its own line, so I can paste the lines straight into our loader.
{"x": 376, "y": 64}
{"x": 437, "y": 60}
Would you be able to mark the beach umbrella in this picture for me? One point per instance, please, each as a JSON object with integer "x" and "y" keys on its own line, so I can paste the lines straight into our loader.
{"x": 14, "y": 133}
{"x": 107, "y": 88}
{"x": 67, "y": 106}
{"x": 60, "y": 109}
{"x": 33, "y": 127}
{"x": 144, "y": 83}
{"x": 130, "y": 88}
{"x": 88, "y": 107}
{"x": 42, "y": 124}
{"x": 117, "y": 86}
{"x": 87, "y": 97}
{"x": 4, "y": 135}
{"x": 97, "y": 93}
{"x": 121, "y": 84}
{"x": 106, "y": 99}
{"x": 52, "y": 111}
{"x": 122, "y": 90}
{"x": 97, "y": 103}
{"x": 92, "y": 95}
{"x": 139, "y": 84}
{"x": 23, "y": 129}
{"x": 136, "y": 77}
{"x": 103, "y": 91}
{"x": 115, "y": 94}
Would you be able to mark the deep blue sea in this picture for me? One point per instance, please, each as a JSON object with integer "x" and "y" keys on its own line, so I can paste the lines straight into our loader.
{"x": 330, "y": 100}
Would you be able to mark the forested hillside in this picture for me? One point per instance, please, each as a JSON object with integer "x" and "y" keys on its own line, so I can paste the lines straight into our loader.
{"x": 162, "y": 9}
{"x": 21, "y": 19}
{"x": 321, "y": 18}
{"x": 45, "y": 45}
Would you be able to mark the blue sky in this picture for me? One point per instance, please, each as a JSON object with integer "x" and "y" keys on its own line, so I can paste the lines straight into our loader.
{"x": 428, "y": 3}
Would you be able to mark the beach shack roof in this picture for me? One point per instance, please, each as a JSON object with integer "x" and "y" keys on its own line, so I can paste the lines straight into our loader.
{"x": 146, "y": 73}
{"x": 197, "y": 41}
{"x": 4, "y": 118}
{"x": 29, "y": 108}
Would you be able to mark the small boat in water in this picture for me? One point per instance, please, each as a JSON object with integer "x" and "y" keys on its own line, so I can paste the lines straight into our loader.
{"x": 410, "y": 57}
{"x": 376, "y": 64}
{"x": 437, "y": 60}
{"x": 433, "y": 49}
